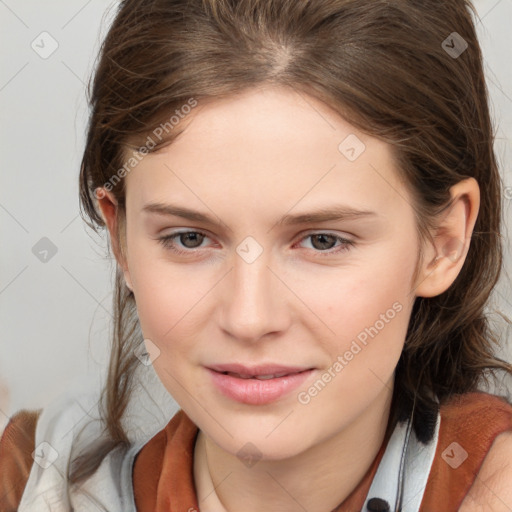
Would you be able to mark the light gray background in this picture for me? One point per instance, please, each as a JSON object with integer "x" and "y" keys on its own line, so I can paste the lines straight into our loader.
{"x": 55, "y": 316}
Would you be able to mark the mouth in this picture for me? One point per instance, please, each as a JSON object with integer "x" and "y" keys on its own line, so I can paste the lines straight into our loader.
{"x": 257, "y": 385}
{"x": 261, "y": 377}
{"x": 264, "y": 370}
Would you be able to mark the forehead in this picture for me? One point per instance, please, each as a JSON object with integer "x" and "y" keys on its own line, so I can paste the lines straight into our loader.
{"x": 270, "y": 146}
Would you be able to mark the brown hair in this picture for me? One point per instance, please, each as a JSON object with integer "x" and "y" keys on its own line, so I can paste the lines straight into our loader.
{"x": 382, "y": 66}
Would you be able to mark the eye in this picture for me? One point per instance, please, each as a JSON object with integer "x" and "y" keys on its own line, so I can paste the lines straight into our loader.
{"x": 322, "y": 242}
{"x": 190, "y": 240}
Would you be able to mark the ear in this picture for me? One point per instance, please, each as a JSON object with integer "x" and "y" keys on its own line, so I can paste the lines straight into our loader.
{"x": 444, "y": 257}
{"x": 108, "y": 206}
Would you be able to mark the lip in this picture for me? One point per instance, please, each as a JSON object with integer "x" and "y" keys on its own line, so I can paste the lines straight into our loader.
{"x": 252, "y": 391}
{"x": 260, "y": 369}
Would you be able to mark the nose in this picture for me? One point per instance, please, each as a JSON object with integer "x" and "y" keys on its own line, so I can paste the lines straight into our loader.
{"x": 255, "y": 300}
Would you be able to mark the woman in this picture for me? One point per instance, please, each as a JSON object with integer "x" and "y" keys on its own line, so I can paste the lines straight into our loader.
{"x": 304, "y": 205}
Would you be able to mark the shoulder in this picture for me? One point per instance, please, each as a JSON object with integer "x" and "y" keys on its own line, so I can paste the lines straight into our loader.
{"x": 476, "y": 419}
{"x": 491, "y": 421}
{"x": 492, "y": 488}
{"x": 476, "y": 401}
{"x": 473, "y": 450}
{"x": 17, "y": 444}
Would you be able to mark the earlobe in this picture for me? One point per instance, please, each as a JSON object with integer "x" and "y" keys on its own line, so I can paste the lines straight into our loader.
{"x": 445, "y": 255}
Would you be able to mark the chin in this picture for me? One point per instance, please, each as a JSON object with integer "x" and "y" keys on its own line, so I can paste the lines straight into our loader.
{"x": 257, "y": 444}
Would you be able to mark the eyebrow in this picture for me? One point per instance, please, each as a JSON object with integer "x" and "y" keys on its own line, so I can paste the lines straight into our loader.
{"x": 337, "y": 212}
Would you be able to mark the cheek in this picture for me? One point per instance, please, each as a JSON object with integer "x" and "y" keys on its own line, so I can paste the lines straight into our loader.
{"x": 167, "y": 302}
{"x": 367, "y": 309}
{"x": 351, "y": 299}
{"x": 370, "y": 321}
{"x": 164, "y": 294}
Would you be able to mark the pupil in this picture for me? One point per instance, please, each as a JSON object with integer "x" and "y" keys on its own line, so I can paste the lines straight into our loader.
{"x": 185, "y": 238}
{"x": 324, "y": 237}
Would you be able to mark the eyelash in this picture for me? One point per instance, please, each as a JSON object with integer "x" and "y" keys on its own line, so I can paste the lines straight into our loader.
{"x": 167, "y": 242}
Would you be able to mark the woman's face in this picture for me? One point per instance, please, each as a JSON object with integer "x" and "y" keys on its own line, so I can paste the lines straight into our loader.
{"x": 300, "y": 252}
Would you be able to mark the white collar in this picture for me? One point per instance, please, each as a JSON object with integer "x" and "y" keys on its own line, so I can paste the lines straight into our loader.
{"x": 417, "y": 466}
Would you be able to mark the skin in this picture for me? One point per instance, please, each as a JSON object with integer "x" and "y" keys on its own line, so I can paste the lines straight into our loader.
{"x": 247, "y": 161}
{"x": 492, "y": 489}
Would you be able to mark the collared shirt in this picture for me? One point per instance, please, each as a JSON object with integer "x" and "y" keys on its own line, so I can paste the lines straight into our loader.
{"x": 160, "y": 471}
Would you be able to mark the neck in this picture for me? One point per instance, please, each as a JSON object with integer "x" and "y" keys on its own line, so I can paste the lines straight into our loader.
{"x": 317, "y": 479}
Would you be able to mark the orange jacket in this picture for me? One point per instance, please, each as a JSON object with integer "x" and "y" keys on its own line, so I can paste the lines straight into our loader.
{"x": 163, "y": 475}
